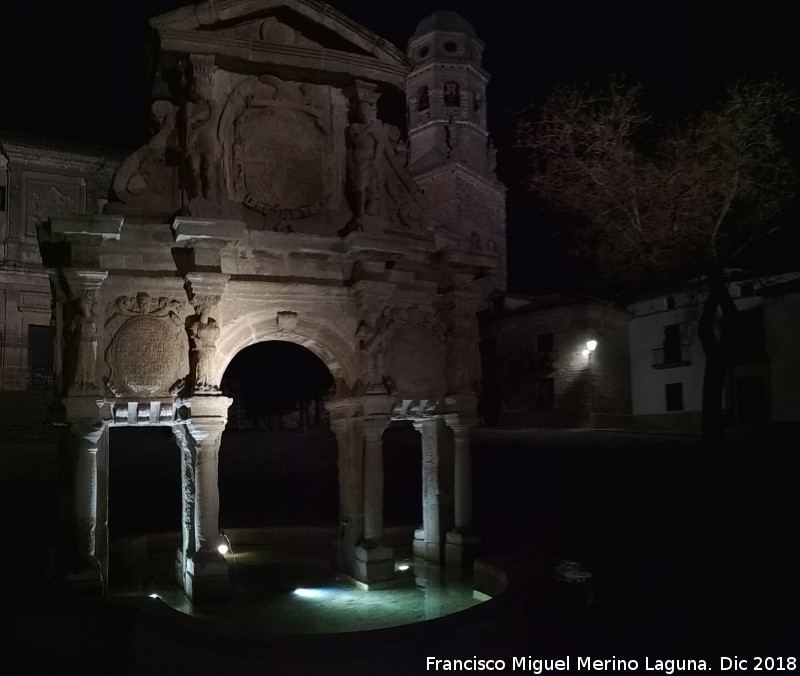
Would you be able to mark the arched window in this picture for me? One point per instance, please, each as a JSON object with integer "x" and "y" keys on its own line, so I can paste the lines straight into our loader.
{"x": 452, "y": 95}
{"x": 423, "y": 99}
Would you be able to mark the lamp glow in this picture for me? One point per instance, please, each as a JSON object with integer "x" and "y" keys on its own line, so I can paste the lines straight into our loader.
{"x": 591, "y": 345}
{"x": 302, "y": 592}
{"x": 586, "y": 353}
{"x": 154, "y": 596}
{"x": 403, "y": 566}
{"x": 223, "y": 549}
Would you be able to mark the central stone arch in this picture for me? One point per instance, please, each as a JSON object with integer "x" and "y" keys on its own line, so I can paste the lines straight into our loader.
{"x": 333, "y": 349}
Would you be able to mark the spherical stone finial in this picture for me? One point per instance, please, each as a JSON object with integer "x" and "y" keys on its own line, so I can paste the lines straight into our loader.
{"x": 444, "y": 20}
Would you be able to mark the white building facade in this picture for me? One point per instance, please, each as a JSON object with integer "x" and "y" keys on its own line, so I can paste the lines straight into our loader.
{"x": 668, "y": 362}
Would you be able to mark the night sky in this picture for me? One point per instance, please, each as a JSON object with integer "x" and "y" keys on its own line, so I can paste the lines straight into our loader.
{"x": 78, "y": 71}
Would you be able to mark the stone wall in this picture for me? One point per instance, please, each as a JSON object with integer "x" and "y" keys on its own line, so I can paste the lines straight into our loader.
{"x": 41, "y": 181}
{"x": 536, "y": 371}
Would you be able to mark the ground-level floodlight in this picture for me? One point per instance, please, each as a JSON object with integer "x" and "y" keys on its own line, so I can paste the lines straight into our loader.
{"x": 224, "y": 547}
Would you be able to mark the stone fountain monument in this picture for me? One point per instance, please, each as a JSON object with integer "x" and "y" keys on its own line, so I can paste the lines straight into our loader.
{"x": 273, "y": 203}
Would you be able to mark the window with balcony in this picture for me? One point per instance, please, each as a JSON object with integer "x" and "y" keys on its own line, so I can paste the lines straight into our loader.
{"x": 672, "y": 352}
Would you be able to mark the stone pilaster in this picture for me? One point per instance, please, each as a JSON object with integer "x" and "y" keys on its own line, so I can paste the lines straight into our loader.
{"x": 461, "y": 541}
{"x": 187, "y": 547}
{"x": 206, "y": 578}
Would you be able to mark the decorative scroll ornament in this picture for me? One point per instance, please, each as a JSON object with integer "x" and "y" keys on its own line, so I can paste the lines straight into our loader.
{"x": 143, "y": 304}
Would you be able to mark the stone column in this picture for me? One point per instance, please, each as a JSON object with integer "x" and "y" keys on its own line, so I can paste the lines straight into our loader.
{"x": 374, "y": 562}
{"x": 461, "y": 541}
{"x": 84, "y": 571}
{"x": 207, "y": 577}
{"x": 373, "y": 483}
{"x": 350, "y": 442}
{"x": 436, "y": 483}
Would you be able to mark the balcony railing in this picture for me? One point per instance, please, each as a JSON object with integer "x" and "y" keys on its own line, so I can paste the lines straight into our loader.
{"x": 670, "y": 357}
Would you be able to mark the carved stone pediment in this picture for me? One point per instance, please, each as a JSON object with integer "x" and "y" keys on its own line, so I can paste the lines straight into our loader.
{"x": 284, "y": 33}
{"x": 270, "y": 30}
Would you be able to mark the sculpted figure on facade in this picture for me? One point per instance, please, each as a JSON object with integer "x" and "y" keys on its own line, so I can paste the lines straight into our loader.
{"x": 372, "y": 336}
{"x": 84, "y": 336}
{"x": 145, "y": 178}
{"x": 201, "y": 141}
{"x": 378, "y": 183}
{"x": 203, "y": 335}
{"x": 365, "y": 151}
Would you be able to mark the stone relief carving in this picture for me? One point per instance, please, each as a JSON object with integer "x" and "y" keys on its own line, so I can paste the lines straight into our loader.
{"x": 203, "y": 333}
{"x": 286, "y": 320}
{"x": 415, "y": 363}
{"x": 84, "y": 336}
{"x": 145, "y": 179}
{"x": 143, "y": 304}
{"x": 146, "y": 353}
{"x": 378, "y": 184}
{"x": 462, "y": 339}
{"x": 376, "y": 337}
{"x": 275, "y": 135}
{"x": 45, "y": 200}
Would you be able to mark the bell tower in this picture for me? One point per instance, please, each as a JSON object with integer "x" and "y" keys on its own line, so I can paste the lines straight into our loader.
{"x": 450, "y": 153}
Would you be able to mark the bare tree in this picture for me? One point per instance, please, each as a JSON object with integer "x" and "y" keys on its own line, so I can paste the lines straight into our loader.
{"x": 657, "y": 203}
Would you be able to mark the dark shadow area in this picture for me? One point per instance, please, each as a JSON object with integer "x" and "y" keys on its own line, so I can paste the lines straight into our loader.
{"x": 278, "y": 459}
{"x": 650, "y": 549}
{"x": 402, "y": 471}
{"x": 144, "y": 481}
{"x": 144, "y": 496}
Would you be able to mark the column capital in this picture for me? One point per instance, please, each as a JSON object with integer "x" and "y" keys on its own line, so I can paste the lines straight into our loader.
{"x": 461, "y": 424}
{"x": 202, "y": 406}
{"x": 373, "y": 428}
{"x": 87, "y": 431}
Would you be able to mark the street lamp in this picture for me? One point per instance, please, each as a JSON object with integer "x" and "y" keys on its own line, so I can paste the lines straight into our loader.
{"x": 591, "y": 346}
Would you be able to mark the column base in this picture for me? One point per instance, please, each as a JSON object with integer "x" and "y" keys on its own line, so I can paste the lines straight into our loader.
{"x": 87, "y": 579}
{"x": 461, "y": 548}
{"x": 431, "y": 552}
{"x": 207, "y": 579}
{"x": 374, "y": 564}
